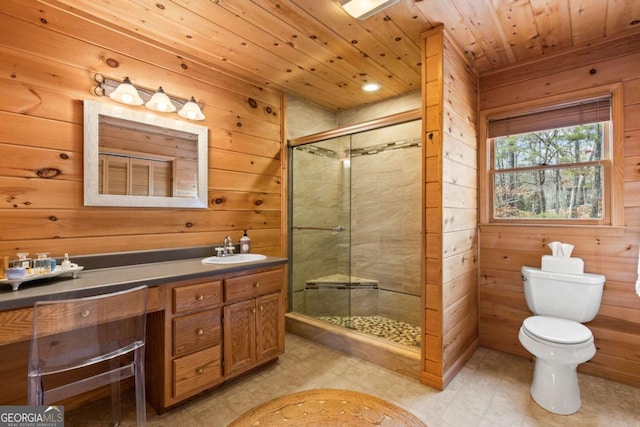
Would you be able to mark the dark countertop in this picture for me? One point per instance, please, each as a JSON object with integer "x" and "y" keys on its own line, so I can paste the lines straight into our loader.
{"x": 113, "y": 279}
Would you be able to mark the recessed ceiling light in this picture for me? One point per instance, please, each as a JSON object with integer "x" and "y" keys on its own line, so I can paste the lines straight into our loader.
{"x": 370, "y": 87}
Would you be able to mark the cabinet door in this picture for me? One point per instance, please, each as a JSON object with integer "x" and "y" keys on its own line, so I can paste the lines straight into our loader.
{"x": 268, "y": 327}
{"x": 239, "y": 336}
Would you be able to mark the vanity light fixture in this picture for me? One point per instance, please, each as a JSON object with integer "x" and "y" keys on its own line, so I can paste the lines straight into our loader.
{"x": 160, "y": 102}
{"x": 126, "y": 93}
{"x": 362, "y": 9}
{"x": 191, "y": 110}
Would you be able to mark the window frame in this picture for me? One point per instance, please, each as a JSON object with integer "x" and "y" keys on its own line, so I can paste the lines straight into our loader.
{"x": 613, "y": 162}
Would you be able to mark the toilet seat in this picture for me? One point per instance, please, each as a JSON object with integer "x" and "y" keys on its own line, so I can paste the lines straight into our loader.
{"x": 556, "y": 330}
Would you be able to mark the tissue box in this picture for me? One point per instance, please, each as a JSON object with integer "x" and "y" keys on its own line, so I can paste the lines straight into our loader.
{"x": 556, "y": 264}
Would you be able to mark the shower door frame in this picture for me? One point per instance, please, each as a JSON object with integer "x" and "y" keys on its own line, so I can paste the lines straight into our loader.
{"x": 382, "y": 122}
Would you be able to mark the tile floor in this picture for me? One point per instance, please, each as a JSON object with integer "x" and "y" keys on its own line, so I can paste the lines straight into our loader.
{"x": 491, "y": 390}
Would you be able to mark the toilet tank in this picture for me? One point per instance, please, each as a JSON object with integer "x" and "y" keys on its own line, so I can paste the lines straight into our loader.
{"x": 569, "y": 296}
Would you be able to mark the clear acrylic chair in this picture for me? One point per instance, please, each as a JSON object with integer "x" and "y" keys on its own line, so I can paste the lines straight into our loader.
{"x": 78, "y": 345}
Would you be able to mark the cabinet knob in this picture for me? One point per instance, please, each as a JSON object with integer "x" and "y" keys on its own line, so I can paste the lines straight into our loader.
{"x": 257, "y": 285}
{"x": 200, "y": 297}
{"x": 262, "y": 308}
{"x": 199, "y": 331}
{"x": 199, "y": 371}
{"x": 253, "y": 310}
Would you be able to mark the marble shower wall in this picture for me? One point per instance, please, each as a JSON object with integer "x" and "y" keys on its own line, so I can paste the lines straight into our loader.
{"x": 305, "y": 119}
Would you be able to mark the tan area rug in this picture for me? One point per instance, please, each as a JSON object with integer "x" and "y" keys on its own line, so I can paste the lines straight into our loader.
{"x": 327, "y": 407}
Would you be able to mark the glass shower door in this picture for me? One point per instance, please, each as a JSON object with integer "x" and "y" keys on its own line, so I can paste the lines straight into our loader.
{"x": 320, "y": 235}
{"x": 356, "y": 220}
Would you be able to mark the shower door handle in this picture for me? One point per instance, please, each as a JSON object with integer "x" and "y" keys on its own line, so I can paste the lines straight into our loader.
{"x": 336, "y": 229}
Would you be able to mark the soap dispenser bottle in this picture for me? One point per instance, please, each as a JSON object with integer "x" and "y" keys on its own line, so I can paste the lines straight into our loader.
{"x": 245, "y": 243}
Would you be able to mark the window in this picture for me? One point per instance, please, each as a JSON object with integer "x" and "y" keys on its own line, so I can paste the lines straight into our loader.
{"x": 552, "y": 165}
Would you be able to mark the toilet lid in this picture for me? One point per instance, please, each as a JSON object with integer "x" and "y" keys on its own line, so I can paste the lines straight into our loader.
{"x": 554, "y": 329}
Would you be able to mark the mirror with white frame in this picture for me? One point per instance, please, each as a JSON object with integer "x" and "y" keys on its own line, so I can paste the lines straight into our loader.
{"x": 140, "y": 159}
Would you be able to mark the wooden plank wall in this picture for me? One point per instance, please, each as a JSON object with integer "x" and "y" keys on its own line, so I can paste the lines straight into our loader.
{"x": 460, "y": 211}
{"x": 49, "y": 57}
{"x": 612, "y": 251}
{"x": 450, "y": 148}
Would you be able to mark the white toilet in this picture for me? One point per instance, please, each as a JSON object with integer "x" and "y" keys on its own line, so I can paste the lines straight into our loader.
{"x": 555, "y": 335}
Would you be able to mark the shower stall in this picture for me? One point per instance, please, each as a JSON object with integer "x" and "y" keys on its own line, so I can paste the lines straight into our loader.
{"x": 355, "y": 237}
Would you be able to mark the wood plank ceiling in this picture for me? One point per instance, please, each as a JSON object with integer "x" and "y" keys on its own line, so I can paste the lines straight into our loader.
{"x": 314, "y": 50}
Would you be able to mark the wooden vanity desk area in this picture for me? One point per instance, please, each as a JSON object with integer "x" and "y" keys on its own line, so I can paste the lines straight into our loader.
{"x": 206, "y": 324}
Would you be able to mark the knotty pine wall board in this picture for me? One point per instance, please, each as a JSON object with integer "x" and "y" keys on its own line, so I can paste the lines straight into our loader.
{"x": 50, "y": 58}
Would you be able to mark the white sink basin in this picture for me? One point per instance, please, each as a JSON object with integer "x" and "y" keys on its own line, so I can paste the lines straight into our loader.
{"x": 234, "y": 259}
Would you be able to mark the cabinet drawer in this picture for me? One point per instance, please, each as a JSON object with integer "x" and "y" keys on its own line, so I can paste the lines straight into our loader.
{"x": 253, "y": 285}
{"x": 197, "y": 371}
{"x": 196, "y": 332}
{"x": 200, "y": 296}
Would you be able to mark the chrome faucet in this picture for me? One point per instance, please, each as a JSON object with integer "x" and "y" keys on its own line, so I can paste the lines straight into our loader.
{"x": 227, "y": 246}
{"x": 226, "y": 249}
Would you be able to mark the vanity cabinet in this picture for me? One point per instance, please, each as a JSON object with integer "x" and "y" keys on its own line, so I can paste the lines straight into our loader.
{"x": 212, "y": 330}
{"x": 198, "y": 331}
{"x": 253, "y": 316}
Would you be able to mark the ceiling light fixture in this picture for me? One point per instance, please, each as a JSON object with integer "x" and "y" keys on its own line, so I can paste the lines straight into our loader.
{"x": 126, "y": 93}
{"x": 362, "y": 9}
{"x": 370, "y": 87}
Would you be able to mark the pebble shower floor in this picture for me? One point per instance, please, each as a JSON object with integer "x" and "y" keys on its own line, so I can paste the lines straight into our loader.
{"x": 392, "y": 330}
